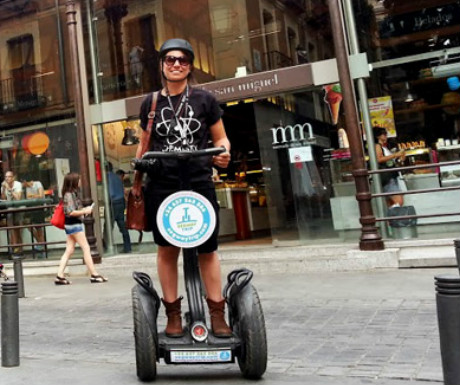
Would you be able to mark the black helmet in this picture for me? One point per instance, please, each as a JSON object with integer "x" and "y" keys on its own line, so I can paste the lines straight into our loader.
{"x": 176, "y": 44}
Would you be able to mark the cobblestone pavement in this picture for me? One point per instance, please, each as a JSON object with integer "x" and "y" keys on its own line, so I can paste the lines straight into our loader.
{"x": 329, "y": 328}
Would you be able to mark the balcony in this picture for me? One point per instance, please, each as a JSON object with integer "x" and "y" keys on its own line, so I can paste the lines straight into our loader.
{"x": 23, "y": 91}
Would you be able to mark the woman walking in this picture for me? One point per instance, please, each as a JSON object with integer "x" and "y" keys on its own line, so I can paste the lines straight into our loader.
{"x": 74, "y": 212}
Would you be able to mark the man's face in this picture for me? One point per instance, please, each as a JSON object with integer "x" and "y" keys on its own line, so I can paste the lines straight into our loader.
{"x": 9, "y": 178}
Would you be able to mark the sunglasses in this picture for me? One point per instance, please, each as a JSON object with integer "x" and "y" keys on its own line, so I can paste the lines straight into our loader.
{"x": 171, "y": 60}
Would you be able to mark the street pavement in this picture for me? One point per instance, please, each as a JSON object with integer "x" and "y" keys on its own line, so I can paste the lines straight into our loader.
{"x": 375, "y": 327}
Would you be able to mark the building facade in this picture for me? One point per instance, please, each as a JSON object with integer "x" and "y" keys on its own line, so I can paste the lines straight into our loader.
{"x": 270, "y": 63}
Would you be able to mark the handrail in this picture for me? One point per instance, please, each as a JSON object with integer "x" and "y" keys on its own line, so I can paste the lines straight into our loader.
{"x": 418, "y": 191}
{"x": 14, "y": 210}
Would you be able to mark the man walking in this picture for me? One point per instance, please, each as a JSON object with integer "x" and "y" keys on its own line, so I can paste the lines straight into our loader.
{"x": 117, "y": 203}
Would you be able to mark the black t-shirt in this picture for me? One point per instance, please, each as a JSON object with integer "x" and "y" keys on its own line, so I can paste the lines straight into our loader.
{"x": 197, "y": 114}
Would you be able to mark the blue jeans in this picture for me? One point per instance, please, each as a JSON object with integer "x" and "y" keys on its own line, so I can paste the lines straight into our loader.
{"x": 118, "y": 215}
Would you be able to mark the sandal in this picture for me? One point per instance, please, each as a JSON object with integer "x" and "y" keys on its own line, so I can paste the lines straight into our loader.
{"x": 61, "y": 281}
{"x": 98, "y": 279}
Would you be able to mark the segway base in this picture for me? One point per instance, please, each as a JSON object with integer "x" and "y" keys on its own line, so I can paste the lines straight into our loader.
{"x": 184, "y": 350}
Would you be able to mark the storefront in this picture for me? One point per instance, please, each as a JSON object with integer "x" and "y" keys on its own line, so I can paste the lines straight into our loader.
{"x": 272, "y": 72}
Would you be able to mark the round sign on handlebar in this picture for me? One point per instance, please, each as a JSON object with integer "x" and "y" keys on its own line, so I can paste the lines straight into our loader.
{"x": 186, "y": 219}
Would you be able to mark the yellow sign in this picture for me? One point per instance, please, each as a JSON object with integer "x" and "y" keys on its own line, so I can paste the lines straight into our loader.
{"x": 381, "y": 112}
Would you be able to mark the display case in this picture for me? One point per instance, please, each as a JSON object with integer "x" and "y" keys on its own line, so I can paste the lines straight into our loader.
{"x": 449, "y": 175}
{"x": 420, "y": 178}
{"x": 343, "y": 183}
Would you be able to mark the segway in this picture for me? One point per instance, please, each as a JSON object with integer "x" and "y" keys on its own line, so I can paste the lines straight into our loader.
{"x": 187, "y": 219}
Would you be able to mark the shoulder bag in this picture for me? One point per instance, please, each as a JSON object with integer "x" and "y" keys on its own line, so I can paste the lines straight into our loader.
{"x": 58, "y": 218}
{"x": 136, "y": 219}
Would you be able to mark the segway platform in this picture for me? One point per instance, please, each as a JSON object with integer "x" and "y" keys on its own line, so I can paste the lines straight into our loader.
{"x": 184, "y": 350}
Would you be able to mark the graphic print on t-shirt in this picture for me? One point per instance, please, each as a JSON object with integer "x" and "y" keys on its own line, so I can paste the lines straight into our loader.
{"x": 178, "y": 133}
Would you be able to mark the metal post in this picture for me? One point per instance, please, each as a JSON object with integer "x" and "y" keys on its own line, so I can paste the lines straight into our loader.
{"x": 10, "y": 324}
{"x": 100, "y": 135}
{"x": 80, "y": 126}
{"x": 367, "y": 124}
{"x": 370, "y": 238}
{"x": 18, "y": 274}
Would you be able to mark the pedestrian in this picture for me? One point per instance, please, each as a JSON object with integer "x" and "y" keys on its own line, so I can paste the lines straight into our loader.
{"x": 185, "y": 119}
{"x": 74, "y": 212}
{"x": 387, "y": 159}
{"x": 11, "y": 190}
{"x": 33, "y": 189}
{"x": 117, "y": 204}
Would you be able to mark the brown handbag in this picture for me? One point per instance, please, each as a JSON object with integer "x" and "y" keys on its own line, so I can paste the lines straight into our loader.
{"x": 136, "y": 218}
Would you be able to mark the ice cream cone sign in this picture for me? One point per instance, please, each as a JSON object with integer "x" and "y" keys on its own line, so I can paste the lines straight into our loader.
{"x": 333, "y": 98}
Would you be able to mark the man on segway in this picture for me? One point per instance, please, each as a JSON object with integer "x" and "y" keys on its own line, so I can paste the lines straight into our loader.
{"x": 184, "y": 120}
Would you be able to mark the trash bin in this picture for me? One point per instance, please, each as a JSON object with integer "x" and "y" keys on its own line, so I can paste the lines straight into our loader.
{"x": 403, "y": 228}
{"x": 448, "y": 309}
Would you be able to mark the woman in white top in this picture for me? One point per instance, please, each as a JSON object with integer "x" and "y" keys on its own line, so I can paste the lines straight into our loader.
{"x": 387, "y": 159}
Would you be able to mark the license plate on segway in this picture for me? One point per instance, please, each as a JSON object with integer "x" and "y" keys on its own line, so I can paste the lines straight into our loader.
{"x": 201, "y": 356}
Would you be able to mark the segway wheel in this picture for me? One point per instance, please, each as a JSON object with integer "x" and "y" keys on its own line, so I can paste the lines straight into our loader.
{"x": 145, "y": 342}
{"x": 249, "y": 323}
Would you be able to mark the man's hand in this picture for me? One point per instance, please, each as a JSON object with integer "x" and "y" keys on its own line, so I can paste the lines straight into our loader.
{"x": 222, "y": 160}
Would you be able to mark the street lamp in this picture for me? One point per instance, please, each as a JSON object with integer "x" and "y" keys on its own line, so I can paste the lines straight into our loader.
{"x": 80, "y": 126}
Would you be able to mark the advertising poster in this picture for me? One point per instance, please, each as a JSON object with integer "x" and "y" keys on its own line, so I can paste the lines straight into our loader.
{"x": 381, "y": 112}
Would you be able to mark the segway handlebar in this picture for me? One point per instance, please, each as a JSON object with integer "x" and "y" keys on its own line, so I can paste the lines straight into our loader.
{"x": 149, "y": 159}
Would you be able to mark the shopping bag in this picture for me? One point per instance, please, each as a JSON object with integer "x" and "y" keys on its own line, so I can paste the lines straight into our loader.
{"x": 58, "y": 218}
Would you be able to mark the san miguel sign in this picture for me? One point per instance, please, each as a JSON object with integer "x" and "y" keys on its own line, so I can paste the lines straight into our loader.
{"x": 261, "y": 84}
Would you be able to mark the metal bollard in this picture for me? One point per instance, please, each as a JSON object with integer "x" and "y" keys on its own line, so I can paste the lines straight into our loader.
{"x": 457, "y": 252}
{"x": 18, "y": 274}
{"x": 448, "y": 307}
{"x": 10, "y": 324}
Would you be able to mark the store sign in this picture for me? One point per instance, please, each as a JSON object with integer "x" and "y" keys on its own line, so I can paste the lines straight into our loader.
{"x": 261, "y": 84}
{"x": 6, "y": 142}
{"x": 297, "y": 135}
{"x": 423, "y": 20}
{"x": 300, "y": 154}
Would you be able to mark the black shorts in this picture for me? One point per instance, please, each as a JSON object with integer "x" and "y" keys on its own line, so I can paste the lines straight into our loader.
{"x": 153, "y": 202}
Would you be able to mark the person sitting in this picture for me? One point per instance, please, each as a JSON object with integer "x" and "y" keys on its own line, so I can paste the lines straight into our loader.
{"x": 11, "y": 190}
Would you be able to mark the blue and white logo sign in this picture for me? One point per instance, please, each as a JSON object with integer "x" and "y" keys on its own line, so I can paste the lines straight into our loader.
{"x": 186, "y": 219}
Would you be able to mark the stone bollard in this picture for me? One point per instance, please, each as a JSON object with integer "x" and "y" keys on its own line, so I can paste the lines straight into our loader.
{"x": 10, "y": 324}
{"x": 19, "y": 274}
{"x": 448, "y": 308}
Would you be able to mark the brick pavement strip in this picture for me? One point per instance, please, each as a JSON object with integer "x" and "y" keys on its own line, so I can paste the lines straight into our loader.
{"x": 316, "y": 331}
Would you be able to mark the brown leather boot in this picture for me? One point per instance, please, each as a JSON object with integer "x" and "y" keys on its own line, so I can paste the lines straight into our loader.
{"x": 217, "y": 313}
{"x": 174, "y": 325}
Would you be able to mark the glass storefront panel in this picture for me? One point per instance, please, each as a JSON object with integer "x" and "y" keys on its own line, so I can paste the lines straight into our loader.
{"x": 35, "y": 81}
{"x": 415, "y": 50}
{"x": 228, "y": 37}
{"x": 281, "y": 150}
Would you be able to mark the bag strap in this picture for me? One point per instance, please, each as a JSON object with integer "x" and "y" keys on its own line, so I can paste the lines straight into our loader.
{"x": 145, "y": 138}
